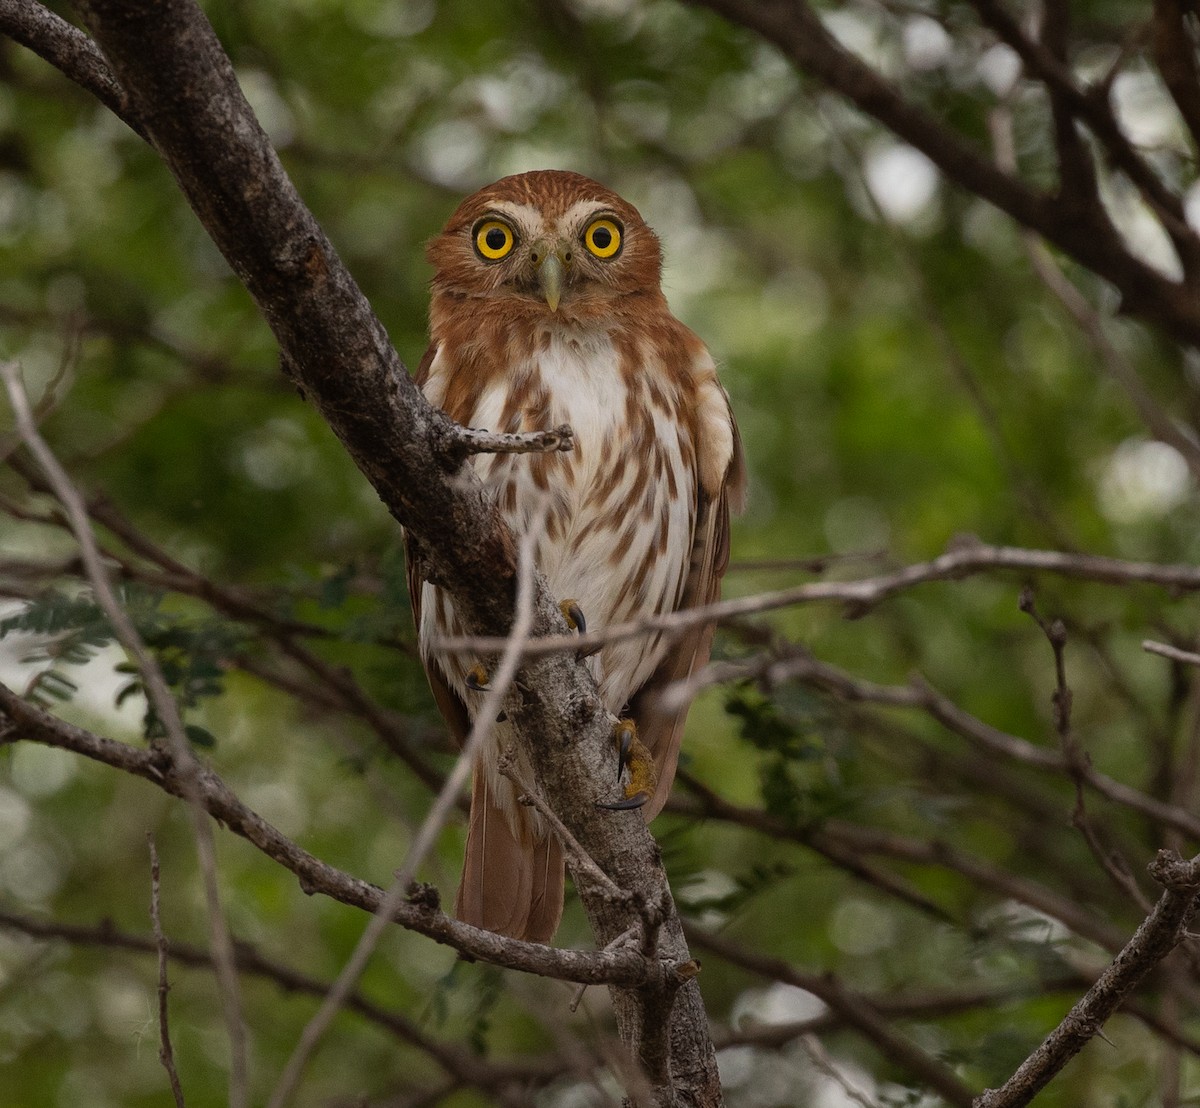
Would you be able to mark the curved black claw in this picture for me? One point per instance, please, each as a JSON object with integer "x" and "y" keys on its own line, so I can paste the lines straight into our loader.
{"x": 626, "y": 805}
{"x": 573, "y": 614}
{"x": 635, "y": 760}
{"x": 625, "y": 736}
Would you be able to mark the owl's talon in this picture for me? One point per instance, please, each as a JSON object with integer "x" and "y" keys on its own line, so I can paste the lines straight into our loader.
{"x": 477, "y": 679}
{"x": 624, "y": 737}
{"x": 634, "y": 758}
{"x": 626, "y": 805}
{"x": 573, "y": 614}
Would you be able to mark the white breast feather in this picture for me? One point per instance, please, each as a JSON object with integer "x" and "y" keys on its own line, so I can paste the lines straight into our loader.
{"x": 581, "y": 373}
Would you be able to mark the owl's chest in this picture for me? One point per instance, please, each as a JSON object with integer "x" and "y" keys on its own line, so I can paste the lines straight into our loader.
{"x": 580, "y": 376}
{"x": 579, "y": 379}
{"x": 613, "y": 518}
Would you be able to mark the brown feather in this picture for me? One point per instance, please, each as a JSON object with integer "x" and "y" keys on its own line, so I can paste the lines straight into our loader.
{"x": 512, "y": 883}
{"x": 661, "y": 730}
{"x": 453, "y": 710}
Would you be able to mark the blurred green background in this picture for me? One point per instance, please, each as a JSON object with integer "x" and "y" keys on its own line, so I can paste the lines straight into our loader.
{"x": 901, "y": 379}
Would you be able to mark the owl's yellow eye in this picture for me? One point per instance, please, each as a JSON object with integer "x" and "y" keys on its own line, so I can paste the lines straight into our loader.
{"x": 603, "y": 238}
{"x": 494, "y": 240}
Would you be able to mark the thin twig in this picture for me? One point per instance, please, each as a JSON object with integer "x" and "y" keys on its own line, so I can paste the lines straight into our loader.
{"x": 465, "y": 441}
{"x": 822, "y": 1062}
{"x": 582, "y": 864}
{"x": 439, "y": 813}
{"x": 1075, "y": 759}
{"x": 159, "y": 694}
{"x": 1062, "y": 699}
{"x": 1166, "y": 650}
{"x": 166, "y": 1055}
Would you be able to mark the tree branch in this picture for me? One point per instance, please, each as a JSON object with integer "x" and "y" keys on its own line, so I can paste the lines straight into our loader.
{"x": 1159, "y": 934}
{"x": 852, "y": 1007}
{"x": 166, "y": 1054}
{"x": 966, "y": 557}
{"x": 462, "y": 1064}
{"x": 795, "y": 28}
{"x": 1166, "y": 650}
{"x": 69, "y": 50}
{"x": 419, "y": 913}
{"x": 462, "y": 442}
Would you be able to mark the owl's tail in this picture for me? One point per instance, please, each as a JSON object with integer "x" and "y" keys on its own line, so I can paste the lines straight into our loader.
{"x": 512, "y": 880}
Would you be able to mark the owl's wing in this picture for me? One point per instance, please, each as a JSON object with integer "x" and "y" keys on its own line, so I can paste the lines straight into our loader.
{"x": 661, "y": 730}
{"x": 512, "y": 882}
{"x": 448, "y": 702}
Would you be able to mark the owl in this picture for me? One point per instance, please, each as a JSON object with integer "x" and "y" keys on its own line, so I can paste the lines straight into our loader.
{"x": 547, "y": 309}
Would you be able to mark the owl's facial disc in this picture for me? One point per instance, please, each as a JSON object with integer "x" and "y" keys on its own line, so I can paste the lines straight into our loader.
{"x": 550, "y": 261}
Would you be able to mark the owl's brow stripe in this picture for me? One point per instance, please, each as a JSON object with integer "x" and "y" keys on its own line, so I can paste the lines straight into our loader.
{"x": 525, "y": 216}
{"x": 533, "y": 220}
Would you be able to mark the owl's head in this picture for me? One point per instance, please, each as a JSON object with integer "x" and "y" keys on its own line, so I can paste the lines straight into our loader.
{"x": 546, "y": 241}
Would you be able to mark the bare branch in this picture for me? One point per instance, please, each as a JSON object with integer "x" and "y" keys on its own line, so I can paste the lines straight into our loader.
{"x": 1075, "y": 759}
{"x": 965, "y": 558}
{"x": 1159, "y": 934}
{"x": 158, "y": 692}
{"x": 69, "y": 50}
{"x": 821, "y": 1060}
{"x": 1187, "y": 657}
{"x": 166, "y": 1054}
{"x": 583, "y": 868}
{"x": 461, "y": 442}
{"x": 420, "y": 913}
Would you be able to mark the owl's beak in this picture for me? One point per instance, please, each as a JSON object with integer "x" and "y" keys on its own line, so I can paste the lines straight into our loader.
{"x": 550, "y": 271}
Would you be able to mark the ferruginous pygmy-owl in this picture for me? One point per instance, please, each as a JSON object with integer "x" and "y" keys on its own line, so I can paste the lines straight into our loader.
{"x": 547, "y": 309}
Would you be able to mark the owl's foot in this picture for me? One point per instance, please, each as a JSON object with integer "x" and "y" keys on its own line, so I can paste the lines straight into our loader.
{"x": 477, "y": 679}
{"x": 573, "y": 614}
{"x": 634, "y": 756}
